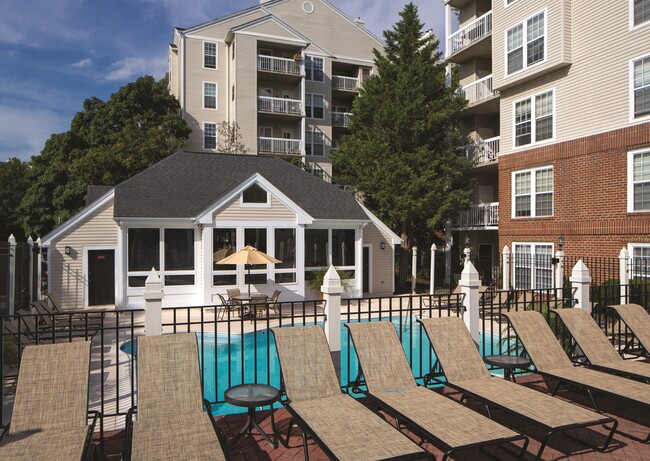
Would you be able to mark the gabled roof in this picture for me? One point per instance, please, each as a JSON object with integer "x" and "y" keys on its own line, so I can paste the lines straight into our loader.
{"x": 95, "y": 192}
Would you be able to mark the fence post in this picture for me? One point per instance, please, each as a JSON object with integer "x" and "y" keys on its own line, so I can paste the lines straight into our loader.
{"x": 506, "y": 269}
{"x": 432, "y": 272}
{"x": 39, "y": 269}
{"x": 30, "y": 244}
{"x": 580, "y": 281}
{"x": 153, "y": 296}
{"x": 469, "y": 285}
{"x": 414, "y": 268}
{"x": 332, "y": 290}
{"x": 11, "y": 291}
{"x": 623, "y": 274}
{"x": 559, "y": 269}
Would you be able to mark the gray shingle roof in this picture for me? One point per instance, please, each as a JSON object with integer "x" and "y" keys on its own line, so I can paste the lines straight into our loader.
{"x": 186, "y": 183}
{"x": 95, "y": 192}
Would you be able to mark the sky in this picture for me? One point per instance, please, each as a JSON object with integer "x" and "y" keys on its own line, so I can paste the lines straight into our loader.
{"x": 54, "y": 54}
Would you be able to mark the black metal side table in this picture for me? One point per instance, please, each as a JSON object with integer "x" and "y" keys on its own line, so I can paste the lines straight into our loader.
{"x": 508, "y": 362}
{"x": 253, "y": 396}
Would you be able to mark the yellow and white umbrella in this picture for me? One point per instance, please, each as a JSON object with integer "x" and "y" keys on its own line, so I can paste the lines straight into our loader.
{"x": 249, "y": 255}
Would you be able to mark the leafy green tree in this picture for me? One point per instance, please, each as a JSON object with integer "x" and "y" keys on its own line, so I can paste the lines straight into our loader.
{"x": 13, "y": 184}
{"x": 108, "y": 142}
{"x": 400, "y": 153}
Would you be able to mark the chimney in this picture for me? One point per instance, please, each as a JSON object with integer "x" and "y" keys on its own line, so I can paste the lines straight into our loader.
{"x": 360, "y": 21}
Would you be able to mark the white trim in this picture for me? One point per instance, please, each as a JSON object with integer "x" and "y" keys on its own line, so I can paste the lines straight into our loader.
{"x": 216, "y": 95}
{"x": 506, "y": 4}
{"x": 630, "y": 179}
{"x": 216, "y": 136}
{"x": 86, "y": 277}
{"x": 631, "y": 25}
{"x": 632, "y": 118}
{"x": 216, "y": 55}
{"x": 533, "y": 192}
{"x": 310, "y": 96}
{"x": 395, "y": 239}
{"x": 513, "y": 261}
{"x": 356, "y": 60}
{"x": 533, "y": 129}
{"x": 204, "y": 38}
{"x": 525, "y": 67}
{"x": 274, "y": 37}
{"x": 243, "y": 204}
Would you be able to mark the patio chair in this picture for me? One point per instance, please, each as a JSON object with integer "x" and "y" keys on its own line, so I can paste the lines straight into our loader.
{"x": 171, "y": 424}
{"x": 50, "y": 414}
{"x": 434, "y": 417}
{"x": 274, "y": 304}
{"x": 343, "y": 428}
{"x": 465, "y": 371}
{"x": 232, "y": 292}
{"x": 596, "y": 347}
{"x": 637, "y": 320}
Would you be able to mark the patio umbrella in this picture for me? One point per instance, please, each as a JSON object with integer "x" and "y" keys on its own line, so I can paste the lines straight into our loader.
{"x": 249, "y": 255}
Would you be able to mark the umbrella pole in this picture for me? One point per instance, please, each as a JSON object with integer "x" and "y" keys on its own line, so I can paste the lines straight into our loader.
{"x": 249, "y": 280}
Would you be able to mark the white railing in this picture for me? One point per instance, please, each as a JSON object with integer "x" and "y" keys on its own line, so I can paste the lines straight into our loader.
{"x": 279, "y": 65}
{"x": 472, "y": 32}
{"x": 479, "y": 215}
{"x": 341, "y": 118}
{"x": 279, "y": 105}
{"x": 280, "y": 146}
{"x": 483, "y": 150}
{"x": 342, "y": 83}
{"x": 479, "y": 90}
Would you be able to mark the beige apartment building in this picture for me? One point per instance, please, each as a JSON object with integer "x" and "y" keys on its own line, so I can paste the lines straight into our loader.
{"x": 286, "y": 71}
{"x": 558, "y": 124}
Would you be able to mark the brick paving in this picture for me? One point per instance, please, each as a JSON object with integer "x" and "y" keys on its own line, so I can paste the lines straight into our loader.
{"x": 632, "y": 420}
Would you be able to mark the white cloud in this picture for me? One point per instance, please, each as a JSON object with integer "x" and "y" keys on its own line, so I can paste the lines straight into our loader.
{"x": 133, "y": 67}
{"x": 184, "y": 13}
{"x": 83, "y": 63}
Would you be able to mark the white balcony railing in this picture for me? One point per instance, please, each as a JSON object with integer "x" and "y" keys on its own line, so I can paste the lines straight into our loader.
{"x": 479, "y": 90}
{"x": 279, "y": 65}
{"x": 279, "y": 105}
{"x": 479, "y": 215}
{"x": 342, "y": 83}
{"x": 280, "y": 146}
{"x": 341, "y": 118}
{"x": 470, "y": 33}
{"x": 483, "y": 150}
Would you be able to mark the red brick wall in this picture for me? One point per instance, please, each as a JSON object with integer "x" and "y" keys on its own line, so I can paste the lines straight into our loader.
{"x": 590, "y": 194}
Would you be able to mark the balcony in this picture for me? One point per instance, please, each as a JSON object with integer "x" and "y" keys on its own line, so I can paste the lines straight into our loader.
{"x": 482, "y": 151}
{"x": 478, "y": 91}
{"x": 341, "y": 83}
{"x": 479, "y": 216}
{"x": 470, "y": 34}
{"x": 284, "y": 66}
{"x": 280, "y": 146}
{"x": 279, "y": 105}
{"x": 341, "y": 119}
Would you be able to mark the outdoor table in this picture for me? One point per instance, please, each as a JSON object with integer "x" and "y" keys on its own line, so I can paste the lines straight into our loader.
{"x": 508, "y": 363}
{"x": 250, "y": 300}
{"x": 253, "y": 396}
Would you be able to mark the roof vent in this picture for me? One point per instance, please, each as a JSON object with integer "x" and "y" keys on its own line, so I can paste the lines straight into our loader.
{"x": 360, "y": 21}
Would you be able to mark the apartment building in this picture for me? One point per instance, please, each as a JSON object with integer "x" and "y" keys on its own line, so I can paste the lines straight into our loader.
{"x": 286, "y": 71}
{"x": 558, "y": 124}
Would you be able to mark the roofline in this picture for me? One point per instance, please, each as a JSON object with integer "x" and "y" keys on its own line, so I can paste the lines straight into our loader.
{"x": 358, "y": 26}
{"x": 397, "y": 240}
{"x": 236, "y": 14}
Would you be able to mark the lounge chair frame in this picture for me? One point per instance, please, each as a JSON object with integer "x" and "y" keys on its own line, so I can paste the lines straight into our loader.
{"x": 631, "y": 313}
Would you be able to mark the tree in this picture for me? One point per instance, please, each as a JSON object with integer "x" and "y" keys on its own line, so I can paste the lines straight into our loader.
{"x": 400, "y": 153}
{"x": 229, "y": 137}
{"x": 108, "y": 142}
{"x": 13, "y": 184}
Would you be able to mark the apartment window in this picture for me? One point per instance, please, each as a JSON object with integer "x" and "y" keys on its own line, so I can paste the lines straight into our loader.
{"x": 209, "y": 95}
{"x": 314, "y": 106}
{"x": 209, "y": 135}
{"x": 641, "y": 11}
{"x": 534, "y": 119}
{"x": 641, "y": 87}
{"x": 314, "y": 142}
{"x": 532, "y": 192}
{"x": 533, "y": 266}
{"x": 224, "y": 243}
{"x": 314, "y": 68}
{"x": 638, "y": 174}
{"x": 210, "y": 55}
{"x": 526, "y": 43}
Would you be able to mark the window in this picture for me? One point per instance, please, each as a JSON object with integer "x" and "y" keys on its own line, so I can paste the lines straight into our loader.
{"x": 638, "y": 181}
{"x": 285, "y": 251}
{"x": 314, "y": 68}
{"x": 210, "y": 55}
{"x": 641, "y": 87}
{"x": 224, "y": 243}
{"x": 641, "y": 11}
{"x": 256, "y": 238}
{"x": 533, "y": 192}
{"x": 526, "y": 44}
{"x": 343, "y": 247}
{"x": 533, "y": 266}
{"x": 209, "y": 95}
{"x": 316, "y": 247}
{"x": 255, "y": 195}
{"x": 534, "y": 119}
{"x": 179, "y": 256}
{"x": 314, "y": 104}
{"x": 209, "y": 135}
{"x": 144, "y": 250}
{"x": 314, "y": 142}
{"x": 639, "y": 260}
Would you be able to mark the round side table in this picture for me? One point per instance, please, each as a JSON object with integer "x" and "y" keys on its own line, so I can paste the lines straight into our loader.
{"x": 252, "y": 396}
{"x": 508, "y": 363}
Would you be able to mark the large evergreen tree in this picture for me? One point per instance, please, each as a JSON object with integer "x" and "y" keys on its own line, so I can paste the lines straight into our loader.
{"x": 400, "y": 153}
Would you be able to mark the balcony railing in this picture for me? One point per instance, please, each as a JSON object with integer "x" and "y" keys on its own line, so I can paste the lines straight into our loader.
{"x": 479, "y": 215}
{"x": 479, "y": 90}
{"x": 483, "y": 150}
{"x": 279, "y": 65}
{"x": 469, "y": 34}
{"x": 341, "y": 118}
{"x": 279, "y": 105}
{"x": 280, "y": 146}
{"x": 342, "y": 83}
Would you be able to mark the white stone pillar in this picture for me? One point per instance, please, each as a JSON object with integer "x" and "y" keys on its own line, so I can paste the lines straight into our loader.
{"x": 559, "y": 269}
{"x": 153, "y": 296}
{"x": 506, "y": 268}
{"x": 467, "y": 252}
{"x": 11, "y": 292}
{"x": 469, "y": 287}
{"x": 39, "y": 269}
{"x": 414, "y": 268}
{"x": 580, "y": 281}
{"x": 332, "y": 290}
{"x": 432, "y": 272}
{"x": 623, "y": 274}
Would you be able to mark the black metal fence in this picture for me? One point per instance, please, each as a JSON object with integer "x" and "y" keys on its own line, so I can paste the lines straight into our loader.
{"x": 23, "y": 262}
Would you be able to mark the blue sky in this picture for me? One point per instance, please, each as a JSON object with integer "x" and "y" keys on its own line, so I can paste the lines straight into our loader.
{"x": 57, "y": 53}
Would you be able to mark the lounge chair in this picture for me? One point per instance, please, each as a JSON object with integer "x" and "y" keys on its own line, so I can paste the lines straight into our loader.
{"x": 171, "y": 424}
{"x": 341, "y": 426}
{"x": 75, "y": 323}
{"x": 50, "y": 414}
{"x": 596, "y": 347}
{"x": 637, "y": 320}
{"x": 434, "y": 417}
{"x": 465, "y": 371}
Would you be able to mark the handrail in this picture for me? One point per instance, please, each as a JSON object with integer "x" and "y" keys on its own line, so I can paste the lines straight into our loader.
{"x": 279, "y": 65}
{"x": 470, "y": 33}
{"x": 341, "y": 82}
{"x": 279, "y": 105}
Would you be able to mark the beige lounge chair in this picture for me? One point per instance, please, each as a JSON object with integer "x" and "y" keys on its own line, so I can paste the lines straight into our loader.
{"x": 50, "y": 414}
{"x": 171, "y": 424}
{"x": 596, "y": 347}
{"x": 465, "y": 371}
{"x": 341, "y": 426}
{"x": 637, "y": 320}
{"x": 391, "y": 386}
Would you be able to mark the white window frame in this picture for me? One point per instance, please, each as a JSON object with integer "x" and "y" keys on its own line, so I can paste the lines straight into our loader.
{"x": 507, "y": 3}
{"x": 216, "y": 136}
{"x": 533, "y": 119}
{"x": 533, "y": 192}
{"x": 630, "y": 179}
{"x": 216, "y": 95}
{"x": 631, "y": 18}
{"x": 630, "y": 251}
{"x": 266, "y": 204}
{"x": 633, "y": 118}
{"x": 216, "y": 55}
{"x": 311, "y": 143}
{"x": 309, "y": 102}
{"x": 524, "y": 25}
{"x": 312, "y": 58}
{"x": 533, "y": 267}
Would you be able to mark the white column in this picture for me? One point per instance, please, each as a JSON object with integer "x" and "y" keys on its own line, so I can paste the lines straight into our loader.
{"x": 39, "y": 269}
{"x": 580, "y": 281}
{"x": 623, "y": 275}
{"x": 469, "y": 285}
{"x": 559, "y": 269}
{"x": 506, "y": 268}
{"x": 448, "y": 15}
{"x": 332, "y": 290}
{"x": 153, "y": 296}
{"x": 432, "y": 272}
{"x": 11, "y": 292}
{"x": 30, "y": 244}
{"x": 414, "y": 268}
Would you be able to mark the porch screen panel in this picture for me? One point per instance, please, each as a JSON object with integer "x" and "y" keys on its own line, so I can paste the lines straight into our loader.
{"x": 343, "y": 247}
{"x": 256, "y": 238}
{"x": 179, "y": 249}
{"x": 224, "y": 243}
{"x": 285, "y": 251}
{"x": 315, "y": 247}
{"x": 143, "y": 249}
